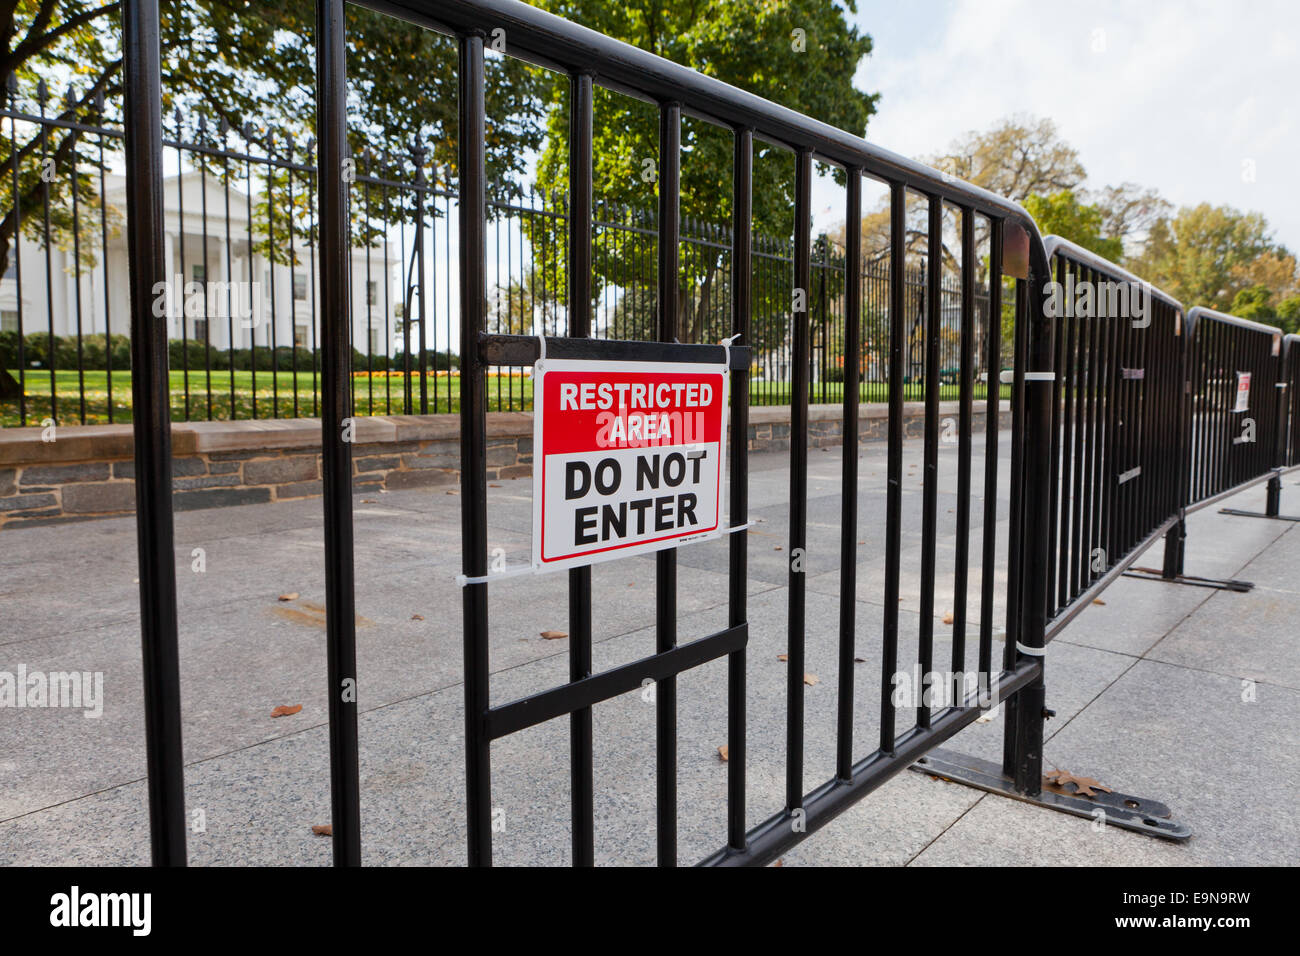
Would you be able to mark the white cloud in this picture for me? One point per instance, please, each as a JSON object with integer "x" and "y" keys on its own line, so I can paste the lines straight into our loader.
{"x": 1168, "y": 94}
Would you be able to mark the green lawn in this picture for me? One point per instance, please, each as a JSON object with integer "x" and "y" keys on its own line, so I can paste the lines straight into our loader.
{"x": 380, "y": 394}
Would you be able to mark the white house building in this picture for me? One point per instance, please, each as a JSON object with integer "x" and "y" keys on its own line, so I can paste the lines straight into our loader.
{"x": 216, "y": 286}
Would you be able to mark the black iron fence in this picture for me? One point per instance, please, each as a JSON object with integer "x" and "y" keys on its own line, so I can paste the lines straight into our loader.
{"x": 1122, "y": 423}
{"x": 243, "y": 280}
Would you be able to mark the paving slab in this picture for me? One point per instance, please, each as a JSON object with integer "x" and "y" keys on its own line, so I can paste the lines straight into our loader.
{"x": 1136, "y": 681}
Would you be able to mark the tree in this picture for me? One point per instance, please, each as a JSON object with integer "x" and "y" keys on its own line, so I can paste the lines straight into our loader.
{"x": 1128, "y": 212}
{"x": 1256, "y": 303}
{"x": 1205, "y": 255}
{"x": 1020, "y": 157}
{"x": 248, "y": 68}
{"x": 1062, "y": 214}
{"x": 800, "y": 54}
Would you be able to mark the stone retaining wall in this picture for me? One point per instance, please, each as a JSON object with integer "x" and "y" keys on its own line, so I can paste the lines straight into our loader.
{"x": 87, "y": 471}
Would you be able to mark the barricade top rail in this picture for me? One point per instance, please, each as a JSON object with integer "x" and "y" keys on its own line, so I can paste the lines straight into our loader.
{"x": 1201, "y": 312}
{"x": 1054, "y": 245}
{"x": 555, "y": 43}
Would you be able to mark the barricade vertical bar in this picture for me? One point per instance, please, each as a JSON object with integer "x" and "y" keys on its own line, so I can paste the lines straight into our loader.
{"x": 1036, "y": 498}
{"x": 737, "y": 609}
{"x": 1112, "y": 447}
{"x": 336, "y": 447}
{"x": 1016, "y": 529}
{"x": 992, "y": 422}
{"x": 965, "y": 397}
{"x": 670, "y": 148}
{"x": 797, "y": 556}
{"x": 849, "y": 474}
{"x": 164, "y": 757}
{"x": 580, "y": 175}
{"x": 1071, "y": 575}
{"x": 894, "y": 463}
{"x": 1092, "y": 459}
{"x": 930, "y": 488}
{"x": 473, "y": 448}
{"x": 1054, "y": 525}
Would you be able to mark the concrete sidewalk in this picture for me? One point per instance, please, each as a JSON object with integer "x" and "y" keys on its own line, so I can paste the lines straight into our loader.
{"x": 1148, "y": 688}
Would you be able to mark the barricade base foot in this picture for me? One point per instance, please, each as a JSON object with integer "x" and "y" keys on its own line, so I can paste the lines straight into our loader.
{"x": 1257, "y": 514}
{"x": 1120, "y": 809}
{"x": 1222, "y": 584}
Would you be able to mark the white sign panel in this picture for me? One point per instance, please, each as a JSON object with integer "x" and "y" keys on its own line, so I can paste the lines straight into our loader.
{"x": 628, "y": 457}
{"x": 1243, "y": 392}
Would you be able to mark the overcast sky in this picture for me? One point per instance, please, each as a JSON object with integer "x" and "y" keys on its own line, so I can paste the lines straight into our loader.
{"x": 1185, "y": 97}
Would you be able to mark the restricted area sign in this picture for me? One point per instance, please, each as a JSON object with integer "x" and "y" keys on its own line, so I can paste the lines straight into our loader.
{"x": 627, "y": 458}
{"x": 1243, "y": 392}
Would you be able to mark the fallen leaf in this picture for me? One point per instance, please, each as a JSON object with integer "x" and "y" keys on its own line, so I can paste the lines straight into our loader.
{"x": 947, "y": 618}
{"x": 453, "y": 492}
{"x": 859, "y": 660}
{"x": 1083, "y": 786}
{"x": 780, "y": 862}
{"x": 777, "y": 548}
{"x": 861, "y": 542}
{"x": 1099, "y": 601}
{"x": 368, "y": 501}
{"x": 722, "y": 752}
{"x": 286, "y": 710}
{"x": 554, "y": 635}
{"x": 325, "y": 829}
{"x": 811, "y": 679}
{"x": 417, "y": 617}
{"x": 494, "y": 486}
{"x": 291, "y": 596}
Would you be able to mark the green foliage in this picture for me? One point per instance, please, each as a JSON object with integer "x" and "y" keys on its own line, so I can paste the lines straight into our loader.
{"x": 36, "y": 351}
{"x": 1062, "y": 214}
{"x": 242, "y": 74}
{"x": 1204, "y": 254}
{"x": 1256, "y": 303}
{"x": 751, "y": 44}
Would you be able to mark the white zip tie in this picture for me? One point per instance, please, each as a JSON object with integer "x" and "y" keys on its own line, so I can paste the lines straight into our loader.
{"x": 726, "y": 348}
{"x": 1031, "y": 651}
{"x": 508, "y": 572}
{"x": 1040, "y": 376}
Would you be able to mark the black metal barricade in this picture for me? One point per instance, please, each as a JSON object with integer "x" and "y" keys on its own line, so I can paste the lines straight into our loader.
{"x": 1239, "y": 413}
{"x": 1289, "y": 426}
{"x": 1098, "y": 414}
{"x": 1117, "y": 413}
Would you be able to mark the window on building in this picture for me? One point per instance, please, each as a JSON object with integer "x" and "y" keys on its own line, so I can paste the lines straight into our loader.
{"x": 376, "y": 341}
{"x": 371, "y": 292}
{"x": 200, "y": 329}
{"x": 300, "y": 286}
{"x": 199, "y": 272}
{"x": 8, "y": 321}
{"x": 300, "y": 336}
